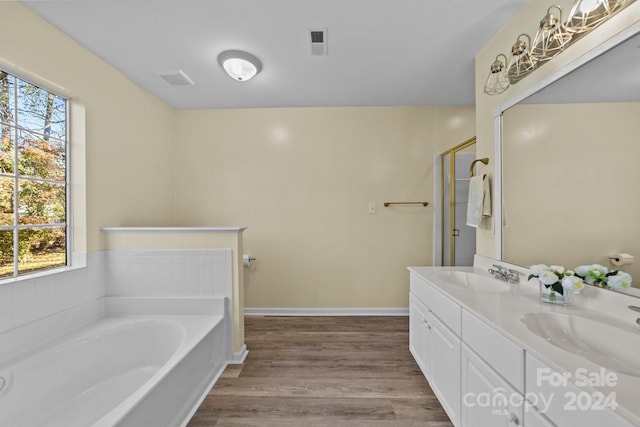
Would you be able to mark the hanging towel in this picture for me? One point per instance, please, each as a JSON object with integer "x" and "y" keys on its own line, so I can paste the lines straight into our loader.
{"x": 479, "y": 205}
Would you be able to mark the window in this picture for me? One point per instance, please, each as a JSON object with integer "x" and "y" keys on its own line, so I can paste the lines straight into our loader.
{"x": 33, "y": 178}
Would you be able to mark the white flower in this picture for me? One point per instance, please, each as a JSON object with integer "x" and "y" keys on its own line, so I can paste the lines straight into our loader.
{"x": 620, "y": 280}
{"x": 597, "y": 269}
{"x": 557, "y": 268}
{"x": 593, "y": 273}
{"x": 582, "y": 270}
{"x": 572, "y": 283}
{"x": 569, "y": 273}
{"x": 548, "y": 277}
{"x": 537, "y": 269}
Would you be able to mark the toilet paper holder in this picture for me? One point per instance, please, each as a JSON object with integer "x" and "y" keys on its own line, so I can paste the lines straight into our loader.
{"x": 247, "y": 260}
{"x": 621, "y": 259}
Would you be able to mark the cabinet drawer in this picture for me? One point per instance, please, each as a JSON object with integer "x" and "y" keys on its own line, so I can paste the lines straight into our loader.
{"x": 563, "y": 408}
{"x": 418, "y": 288}
{"x": 447, "y": 311}
{"x": 498, "y": 351}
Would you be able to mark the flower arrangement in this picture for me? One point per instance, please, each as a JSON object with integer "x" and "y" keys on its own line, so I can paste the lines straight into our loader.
{"x": 557, "y": 285}
{"x": 556, "y": 280}
{"x": 599, "y": 275}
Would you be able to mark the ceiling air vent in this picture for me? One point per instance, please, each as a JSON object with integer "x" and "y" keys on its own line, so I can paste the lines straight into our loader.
{"x": 176, "y": 78}
{"x": 318, "y": 42}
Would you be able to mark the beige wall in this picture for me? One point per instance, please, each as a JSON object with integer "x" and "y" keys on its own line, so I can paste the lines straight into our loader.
{"x": 527, "y": 21}
{"x": 580, "y": 204}
{"x": 128, "y": 131}
{"x": 301, "y": 180}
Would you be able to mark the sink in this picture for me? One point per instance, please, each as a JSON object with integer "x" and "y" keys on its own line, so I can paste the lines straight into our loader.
{"x": 474, "y": 281}
{"x": 607, "y": 343}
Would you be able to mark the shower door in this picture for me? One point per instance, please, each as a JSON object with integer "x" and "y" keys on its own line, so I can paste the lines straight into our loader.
{"x": 458, "y": 239}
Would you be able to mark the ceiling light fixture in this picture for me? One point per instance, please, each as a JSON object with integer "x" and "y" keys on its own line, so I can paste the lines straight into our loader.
{"x": 240, "y": 66}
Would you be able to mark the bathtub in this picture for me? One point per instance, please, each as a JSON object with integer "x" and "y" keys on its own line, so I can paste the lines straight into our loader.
{"x": 116, "y": 371}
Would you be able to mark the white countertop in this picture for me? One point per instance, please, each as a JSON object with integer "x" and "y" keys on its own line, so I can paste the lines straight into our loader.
{"x": 504, "y": 312}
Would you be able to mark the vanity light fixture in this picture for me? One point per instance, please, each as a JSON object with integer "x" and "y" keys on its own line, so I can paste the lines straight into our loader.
{"x": 552, "y": 36}
{"x": 239, "y": 65}
{"x": 520, "y": 62}
{"x": 585, "y": 15}
{"x": 497, "y": 81}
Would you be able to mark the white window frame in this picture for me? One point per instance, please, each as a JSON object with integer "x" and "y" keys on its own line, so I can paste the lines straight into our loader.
{"x": 75, "y": 176}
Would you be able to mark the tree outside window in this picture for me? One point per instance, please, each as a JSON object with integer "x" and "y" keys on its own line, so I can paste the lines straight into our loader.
{"x": 33, "y": 177}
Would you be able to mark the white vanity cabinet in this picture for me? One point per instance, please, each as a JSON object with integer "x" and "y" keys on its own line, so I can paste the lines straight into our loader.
{"x": 487, "y": 399}
{"x": 568, "y": 404}
{"x": 434, "y": 344}
{"x": 443, "y": 359}
{"x": 534, "y": 418}
{"x": 418, "y": 332}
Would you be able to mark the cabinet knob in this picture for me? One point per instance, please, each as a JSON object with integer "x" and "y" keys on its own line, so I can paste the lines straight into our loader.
{"x": 513, "y": 419}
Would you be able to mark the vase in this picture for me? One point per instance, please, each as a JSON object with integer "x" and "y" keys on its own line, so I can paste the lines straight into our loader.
{"x": 550, "y": 295}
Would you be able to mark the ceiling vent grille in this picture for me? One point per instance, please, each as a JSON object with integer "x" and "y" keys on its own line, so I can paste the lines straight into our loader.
{"x": 318, "y": 42}
{"x": 176, "y": 78}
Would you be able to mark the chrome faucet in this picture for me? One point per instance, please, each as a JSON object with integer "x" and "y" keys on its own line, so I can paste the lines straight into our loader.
{"x": 506, "y": 275}
{"x": 634, "y": 308}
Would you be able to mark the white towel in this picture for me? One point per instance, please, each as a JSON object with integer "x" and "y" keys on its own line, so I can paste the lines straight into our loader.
{"x": 479, "y": 205}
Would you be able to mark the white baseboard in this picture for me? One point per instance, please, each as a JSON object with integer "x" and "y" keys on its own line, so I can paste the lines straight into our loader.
{"x": 257, "y": 311}
{"x": 239, "y": 356}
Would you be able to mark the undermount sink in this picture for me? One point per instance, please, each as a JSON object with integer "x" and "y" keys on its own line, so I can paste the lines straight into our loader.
{"x": 609, "y": 344}
{"x": 475, "y": 281}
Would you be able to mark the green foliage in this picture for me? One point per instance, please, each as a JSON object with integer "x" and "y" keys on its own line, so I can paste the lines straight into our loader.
{"x": 40, "y": 157}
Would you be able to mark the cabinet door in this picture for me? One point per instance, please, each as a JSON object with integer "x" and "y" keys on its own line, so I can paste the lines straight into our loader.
{"x": 418, "y": 332}
{"x": 533, "y": 417}
{"x": 443, "y": 360}
{"x": 487, "y": 399}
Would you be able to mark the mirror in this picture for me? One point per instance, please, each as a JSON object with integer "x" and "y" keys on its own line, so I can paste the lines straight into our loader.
{"x": 571, "y": 167}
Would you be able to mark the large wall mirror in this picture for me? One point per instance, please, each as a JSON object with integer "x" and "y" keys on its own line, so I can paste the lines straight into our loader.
{"x": 571, "y": 165}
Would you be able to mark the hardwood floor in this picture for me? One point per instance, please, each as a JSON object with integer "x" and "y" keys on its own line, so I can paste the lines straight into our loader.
{"x": 323, "y": 372}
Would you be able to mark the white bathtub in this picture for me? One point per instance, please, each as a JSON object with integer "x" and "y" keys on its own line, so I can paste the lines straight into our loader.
{"x": 117, "y": 371}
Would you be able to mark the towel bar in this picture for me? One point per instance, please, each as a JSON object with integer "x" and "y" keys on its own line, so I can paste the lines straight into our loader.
{"x": 387, "y": 204}
{"x": 484, "y": 161}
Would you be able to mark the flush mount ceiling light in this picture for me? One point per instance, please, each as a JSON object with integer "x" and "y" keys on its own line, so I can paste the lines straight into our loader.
{"x": 552, "y": 36}
{"x": 497, "y": 81}
{"x": 240, "y": 66}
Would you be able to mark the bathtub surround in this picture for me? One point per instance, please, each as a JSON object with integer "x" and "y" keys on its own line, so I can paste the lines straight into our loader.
{"x": 32, "y": 299}
{"x": 182, "y": 296}
{"x": 180, "y": 261}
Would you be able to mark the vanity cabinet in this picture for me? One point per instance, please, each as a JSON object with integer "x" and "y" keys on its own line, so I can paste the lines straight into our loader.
{"x": 443, "y": 359}
{"x": 568, "y": 404}
{"x": 487, "y": 399}
{"x": 435, "y": 346}
{"x": 418, "y": 332}
{"x": 483, "y": 378}
{"x": 534, "y": 418}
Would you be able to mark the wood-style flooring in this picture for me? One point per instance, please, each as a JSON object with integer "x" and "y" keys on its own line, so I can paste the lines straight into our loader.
{"x": 323, "y": 372}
